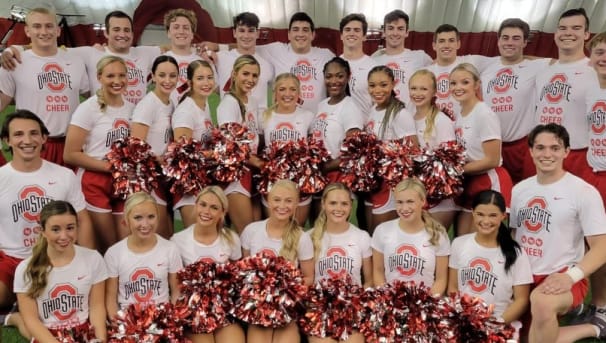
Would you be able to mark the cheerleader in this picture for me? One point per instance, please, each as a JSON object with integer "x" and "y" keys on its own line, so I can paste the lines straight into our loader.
{"x": 279, "y": 235}
{"x": 151, "y": 123}
{"x": 192, "y": 120}
{"x": 433, "y": 127}
{"x": 237, "y": 107}
{"x": 143, "y": 256}
{"x": 414, "y": 247}
{"x": 209, "y": 240}
{"x": 285, "y": 121}
{"x": 95, "y": 125}
{"x": 479, "y": 130}
{"x": 388, "y": 120}
{"x": 59, "y": 269}
{"x": 492, "y": 251}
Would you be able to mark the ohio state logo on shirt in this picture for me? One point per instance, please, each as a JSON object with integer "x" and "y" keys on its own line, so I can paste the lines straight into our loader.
{"x": 336, "y": 263}
{"x": 30, "y": 201}
{"x": 443, "y": 86}
{"x": 406, "y": 261}
{"x": 597, "y": 117}
{"x": 318, "y": 126}
{"x": 504, "y": 80}
{"x": 251, "y": 124}
{"x": 478, "y": 276}
{"x": 398, "y": 74}
{"x": 284, "y": 132}
{"x": 54, "y": 78}
{"x": 535, "y": 216}
{"x": 133, "y": 74}
{"x": 142, "y": 285}
{"x": 557, "y": 89}
{"x": 183, "y": 72}
{"x": 63, "y": 302}
{"x": 304, "y": 70}
{"x": 370, "y": 126}
{"x": 120, "y": 130}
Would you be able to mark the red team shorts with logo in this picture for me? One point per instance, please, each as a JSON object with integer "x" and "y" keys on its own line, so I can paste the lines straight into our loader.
{"x": 496, "y": 179}
{"x": 517, "y": 160}
{"x": 242, "y": 186}
{"x": 97, "y": 189}
{"x": 382, "y": 200}
{"x": 578, "y": 290}
{"x": 576, "y": 163}
{"x": 53, "y": 150}
{"x": 8, "y": 265}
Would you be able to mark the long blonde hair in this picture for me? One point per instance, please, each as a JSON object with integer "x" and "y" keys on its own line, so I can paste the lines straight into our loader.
{"x": 320, "y": 224}
{"x": 432, "y": 226}
{"x": 239, "y": 63}
{"x": 223, "y": 231}
{"x": 430, "y": 119}
{"x": 40, "y": 265}
{"x": 280, "y": 78}
{"x": 292, "y": 234}
{"x": 104, "y": 62}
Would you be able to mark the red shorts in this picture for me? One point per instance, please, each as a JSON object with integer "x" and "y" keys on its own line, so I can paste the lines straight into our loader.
{"x": 578, "y": 290}
{"x": 2, "y": 160}
{"x": 382, "y": 200}
{"x": 598, "y": 180}
{"x": 97, "y": 189}
{"x": 242, "y": 186}
{"x": 576, "y": 163}
{"x": 495, "y": 179}
{"x": 53, "y": 150}
{"x": 8, "y": 265}
{"x": 517, "y": 160}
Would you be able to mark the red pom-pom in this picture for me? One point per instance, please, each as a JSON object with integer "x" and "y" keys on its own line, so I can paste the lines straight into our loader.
{"x": 231, "y": 150}
{"x": 441, "y": 171}
{"x": 378, "y": 323}
{"x": 397, "y": 160}
{"x": 134, "y": 167}
{"x": 207, "y": 289}
{"x": 81, "y": 333}
{"x": 360, "y": 154}
{"x": 187, "y": 163}
{"x": 298, "y": 161}
{"x": 333, "y": 309}
{"x": 271, "y": 291}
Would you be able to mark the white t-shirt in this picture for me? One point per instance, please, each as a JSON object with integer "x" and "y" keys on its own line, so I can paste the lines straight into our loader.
{"x": 478, "y": 126}
{"x": 104, "y": 128}
{"x": 401, "y": 124}
{"x": 225, "y": 66}
{"x": 50, "y": 87}
{"x": 596, "y": 115}
{"x": 307, "y": 67}
{"x": 358, "y": 82}
{"x": 183, "y": 61}
{"x": 156, "y": 115}
{"x": 143, "y": 277}
{"x": 333, "y": 121}
{"x": 24, "y": 194}
{"x": 287, "y": 127}
{"x": 481, "y": 272}
{"x": 139, "y": 61}
{"x": 404, "y": 65}
{"x": 189, "y": 115}
{"x": 256, "y": 241}
{"x": 408, "y": 257}
{"x": 220, "y": 251}
{"x": 64, "y": 303}
{"x": 342, "y": 254}
{"x": 552, "y": 220}
{"x": 561, "y": 90}
{"x": 443, "y": 131}
{"x": 228, "y": 111}
{"x": 508, "y": 90}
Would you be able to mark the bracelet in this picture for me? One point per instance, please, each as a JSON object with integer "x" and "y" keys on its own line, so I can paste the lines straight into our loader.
{"x": 576, "y": 274}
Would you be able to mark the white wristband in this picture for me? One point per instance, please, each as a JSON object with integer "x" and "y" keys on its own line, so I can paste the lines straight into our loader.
{"x": 576, "y": 274}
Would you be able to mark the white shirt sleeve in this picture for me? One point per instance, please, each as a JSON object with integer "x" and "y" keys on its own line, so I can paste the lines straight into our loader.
{"x": 306, "y": 248}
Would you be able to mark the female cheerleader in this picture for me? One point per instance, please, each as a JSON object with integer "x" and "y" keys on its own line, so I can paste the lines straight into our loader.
{"x": 492, "y": 251}
{"x": 388, "y": 120}
{"x": 285, "y": 121}
{"x": 142, "y": 257}
{"x": 433, "y": 127}
{"x": 151, "y": 123}
{"x": 192, "y": 120}
{"x": 237, "y": 107}
{"x": 279, "y": 235}
{"x": 415, "y": 246}
{"x": 479, "y": 130}
{"x": 60, "y": 270}
{"x": 95, "y": 125}
{"x": 210, "y": 241}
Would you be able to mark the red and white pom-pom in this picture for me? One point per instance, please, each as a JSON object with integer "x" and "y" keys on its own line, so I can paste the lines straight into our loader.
{"x": 82, "y": 333}
{"x": 134, "y": 167}
{"x": 149, "y": 323}
{"x": 441, "y": 171}
{"x": 360, "y": 154}
{"x": 271, "y": 291}
{"x": 378, "y": 323}
{"x": 333, "y": 309}
{"x": 207, "y": 289}
{"x": 298, "y": 161}
{"x": 230, "y": 145}
{"x": 186, "y": 165}
{"x": 397, "y": 160}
